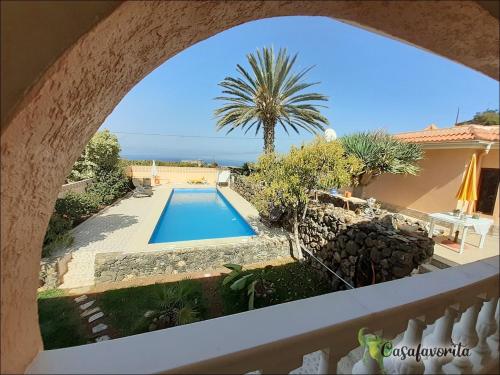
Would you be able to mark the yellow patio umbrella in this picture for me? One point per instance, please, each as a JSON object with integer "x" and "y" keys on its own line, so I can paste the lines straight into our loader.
{"x": 468, "y": 188}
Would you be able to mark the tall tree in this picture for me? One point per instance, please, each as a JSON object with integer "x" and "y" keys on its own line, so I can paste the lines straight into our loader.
{"x": 288, "y": 180}
{"x": 269, "y": 94}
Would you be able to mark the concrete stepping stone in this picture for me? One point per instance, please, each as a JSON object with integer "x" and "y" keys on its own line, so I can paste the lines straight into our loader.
{"x": 102, "y": 338}
{"x": 96, "y": 316}
{"x": 80, "y": 299}
{"x": 86, "y": 305}
{"x": 90, "y": 312}
{"x": 99, "y": 328}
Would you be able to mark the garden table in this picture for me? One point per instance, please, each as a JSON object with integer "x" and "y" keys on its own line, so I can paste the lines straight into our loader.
{"x": 348, "y": 199}
{"x": 481, "y": 226}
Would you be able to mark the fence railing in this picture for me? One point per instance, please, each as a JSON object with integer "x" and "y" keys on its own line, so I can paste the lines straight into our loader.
{"x": 77, "y": 187}
{"x": 431, "y": 309}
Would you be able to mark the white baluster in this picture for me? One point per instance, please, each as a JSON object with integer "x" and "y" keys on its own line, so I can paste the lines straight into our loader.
{"x": 328, "y": 362}
{"x": 366, "y": 365}
{"x": 485, "y": 327}
{"x": 493, "y": 340}
{"x": 439, "y": 340}
{"x": 464, "y": 337}
{"x": 411, "y": 340}
{"x": 281, "y": 364}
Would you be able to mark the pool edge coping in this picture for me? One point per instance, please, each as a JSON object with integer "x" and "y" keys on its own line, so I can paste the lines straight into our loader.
{"x": 249, "y": 214}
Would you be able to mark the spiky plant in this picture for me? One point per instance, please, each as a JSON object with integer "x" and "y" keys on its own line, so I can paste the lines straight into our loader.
{"x": 381, "y": 153}
{"x": 269, "y": 94}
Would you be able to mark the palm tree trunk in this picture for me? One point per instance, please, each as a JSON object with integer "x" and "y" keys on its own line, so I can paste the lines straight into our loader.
{"x": 269, "y": 137}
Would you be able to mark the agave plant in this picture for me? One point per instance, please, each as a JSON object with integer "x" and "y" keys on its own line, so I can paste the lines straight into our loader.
{"x": 381, "y": 153}
{"x": 271, "y": 93}
{"x": 255, "y": 285}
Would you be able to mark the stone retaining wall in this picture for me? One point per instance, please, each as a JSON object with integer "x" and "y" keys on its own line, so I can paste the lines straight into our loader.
{"x": 241, "y": 185}
{"x": 52, "y": 271}
{"x": 76, "y": 187}
{"x": 362, "y": 250}
{"x": 120, "y": 266}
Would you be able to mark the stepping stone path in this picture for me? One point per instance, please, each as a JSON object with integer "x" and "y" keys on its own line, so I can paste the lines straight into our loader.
{"x": 90, "y": 312}
{"x": 80, "y": 299}
{"x": 96, "y": 316}
{"x": 99, "y": 328}
{"x": 86, "y": 305}
{"x": 93, "y": 313}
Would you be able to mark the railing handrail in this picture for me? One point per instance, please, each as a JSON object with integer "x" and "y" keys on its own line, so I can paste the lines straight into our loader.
{"x": 258, "y": 339}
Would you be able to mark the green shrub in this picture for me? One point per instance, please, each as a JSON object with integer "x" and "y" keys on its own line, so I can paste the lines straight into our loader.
{"x": 77, "y": 206}
{"x": 57, "y": 234}
{"x": 109, "y": 186}
{"x": 100, "y": 154}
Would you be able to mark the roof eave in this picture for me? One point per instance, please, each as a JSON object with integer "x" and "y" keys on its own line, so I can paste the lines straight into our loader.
{"x": 473, "y": 143}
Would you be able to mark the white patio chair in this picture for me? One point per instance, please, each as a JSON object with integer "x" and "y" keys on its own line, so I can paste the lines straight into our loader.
{"x": 141, "y": 191}
{"x": 223, "y": 177}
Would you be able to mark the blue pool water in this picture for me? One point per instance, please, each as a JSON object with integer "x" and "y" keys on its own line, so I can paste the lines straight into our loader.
{"x": 197, "y": 214}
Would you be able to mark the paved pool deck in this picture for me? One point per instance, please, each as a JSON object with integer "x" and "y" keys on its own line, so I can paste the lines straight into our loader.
{"x": 126, "y": 227}
{"x": 472, "y": 252}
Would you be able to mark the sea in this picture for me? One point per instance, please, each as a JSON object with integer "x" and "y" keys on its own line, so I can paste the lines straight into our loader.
{"x": 220, "y": 162}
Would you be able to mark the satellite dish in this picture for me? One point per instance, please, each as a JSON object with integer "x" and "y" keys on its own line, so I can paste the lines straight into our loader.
{"x": 330, "y": 135}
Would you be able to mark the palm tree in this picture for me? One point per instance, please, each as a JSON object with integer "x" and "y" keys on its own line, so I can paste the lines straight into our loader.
{"x": 270, "y": 95}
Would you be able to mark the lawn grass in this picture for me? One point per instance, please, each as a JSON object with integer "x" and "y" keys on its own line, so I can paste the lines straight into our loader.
{"x": 59, "y": 320}
{"x": 125, "y": 308}
{"x": 291, "y": 281}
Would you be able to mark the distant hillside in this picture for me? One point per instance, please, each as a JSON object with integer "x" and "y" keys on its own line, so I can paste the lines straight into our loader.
{"x": 488, "y": 117}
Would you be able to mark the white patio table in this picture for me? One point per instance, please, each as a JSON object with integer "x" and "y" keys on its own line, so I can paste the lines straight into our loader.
{"x": 481, "y": 226}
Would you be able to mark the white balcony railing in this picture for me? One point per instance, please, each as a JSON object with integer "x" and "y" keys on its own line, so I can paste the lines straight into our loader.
{"x": 459, "y": 304}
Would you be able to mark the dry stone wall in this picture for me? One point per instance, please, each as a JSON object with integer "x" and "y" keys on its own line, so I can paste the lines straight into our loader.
{"x": 111, "y": 267}
{"x": 52, "y": 271}
{"x": 244, "y": 188}
{"x": 361, "y": 250}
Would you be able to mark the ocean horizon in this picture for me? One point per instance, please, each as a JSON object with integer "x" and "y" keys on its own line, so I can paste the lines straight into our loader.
{"x": 219, "y": 161}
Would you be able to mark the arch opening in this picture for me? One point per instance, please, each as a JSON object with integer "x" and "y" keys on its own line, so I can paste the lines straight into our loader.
{"x": 55, "y": 119}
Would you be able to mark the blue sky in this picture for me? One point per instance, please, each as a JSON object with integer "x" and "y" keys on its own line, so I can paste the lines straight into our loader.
{"x": 372, "y": 82}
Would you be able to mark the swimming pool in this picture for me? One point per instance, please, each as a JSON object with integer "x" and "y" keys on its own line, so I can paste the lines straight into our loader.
{"x": 197, "y": 214}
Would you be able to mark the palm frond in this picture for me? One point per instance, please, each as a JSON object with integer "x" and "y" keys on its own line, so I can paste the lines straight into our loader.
{"x": 269, "y": 93}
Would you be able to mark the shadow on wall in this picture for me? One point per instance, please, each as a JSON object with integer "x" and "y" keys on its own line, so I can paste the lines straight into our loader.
{"x": 432, "y": 189}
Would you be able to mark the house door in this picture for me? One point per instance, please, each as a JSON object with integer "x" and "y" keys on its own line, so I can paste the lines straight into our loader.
{"x": 488, "y": 190}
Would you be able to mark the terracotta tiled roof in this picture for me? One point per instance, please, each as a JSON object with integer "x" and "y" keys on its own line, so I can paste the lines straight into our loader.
{"x": 455, "y": 134}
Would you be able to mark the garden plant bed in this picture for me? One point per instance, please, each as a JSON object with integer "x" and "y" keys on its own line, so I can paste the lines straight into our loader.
{"x": 292, "y": 281}
{"x": 125, "y": 309}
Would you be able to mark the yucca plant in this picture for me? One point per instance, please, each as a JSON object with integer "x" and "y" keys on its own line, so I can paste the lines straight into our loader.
{"x": 380, "y": 153}
{"x": 269, "y": 94}
{"x": 174, "y": 306}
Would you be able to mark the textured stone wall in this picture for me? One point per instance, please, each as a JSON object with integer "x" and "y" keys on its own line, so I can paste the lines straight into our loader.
{"x": 241, "y": 185}
{"x": 119, "y": 266}
{"x": 363, "y": 251}
{"x": 52, "y": 271}
{"x": 48, "y": 274}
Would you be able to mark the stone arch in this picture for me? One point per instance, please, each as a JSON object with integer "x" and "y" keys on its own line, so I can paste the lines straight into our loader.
{"x": 49, "y": 127}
